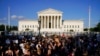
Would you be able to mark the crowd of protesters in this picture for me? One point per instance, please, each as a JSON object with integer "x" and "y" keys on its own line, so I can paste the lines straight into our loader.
{"x": 54, "y": 45}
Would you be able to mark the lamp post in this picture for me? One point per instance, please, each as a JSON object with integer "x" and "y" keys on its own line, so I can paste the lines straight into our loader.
{"x": 39, "y": 22}
{"x": 62, "y": 23}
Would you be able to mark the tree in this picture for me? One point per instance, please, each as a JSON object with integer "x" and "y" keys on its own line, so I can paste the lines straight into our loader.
{"x": 14, "y": 28}
{"x": 92, "y": 29}
{"x": 98, "y": 27}
{"x": 2, "y": 28}
{"x": 86, "y": 29}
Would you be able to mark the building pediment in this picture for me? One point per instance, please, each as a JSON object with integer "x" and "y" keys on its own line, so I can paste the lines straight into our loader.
{"x": 50, "y": 11}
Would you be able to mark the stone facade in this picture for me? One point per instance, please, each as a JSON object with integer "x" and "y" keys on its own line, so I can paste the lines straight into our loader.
{"x": 51, "y": 21}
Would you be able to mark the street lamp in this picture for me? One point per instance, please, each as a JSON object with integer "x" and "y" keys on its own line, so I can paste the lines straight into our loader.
{"x": 39, "y": 22}
{"x": 62, "y": 22}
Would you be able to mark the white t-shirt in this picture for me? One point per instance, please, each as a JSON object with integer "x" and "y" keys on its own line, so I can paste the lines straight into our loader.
{"x": 38, "y": 45}
{"x": 15, "y": 41}
{"x": 22, "y": 45}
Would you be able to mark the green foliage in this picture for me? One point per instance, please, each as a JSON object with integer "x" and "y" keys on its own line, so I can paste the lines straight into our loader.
{"x": 14, "y": 28}
{"x": 2, "y": 28}
{"x": 98, "y": 26}
{"x": 96, "y": 29}
{"x": 86, "y": 29}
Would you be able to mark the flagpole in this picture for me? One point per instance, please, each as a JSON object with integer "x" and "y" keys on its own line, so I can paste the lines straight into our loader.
{"x": 89, "y": 19}
{"x": 9, "y": 17}
{"x": 5, "y": 28}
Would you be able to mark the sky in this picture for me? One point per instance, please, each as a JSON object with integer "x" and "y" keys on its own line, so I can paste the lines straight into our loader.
{"x": 72, "y": 10}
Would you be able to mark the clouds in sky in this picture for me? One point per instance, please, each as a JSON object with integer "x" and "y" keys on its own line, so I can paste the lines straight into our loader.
{"x": 20, "y": 17}
{"x": 17, "y": 17}
{"x": 13, "y": 16}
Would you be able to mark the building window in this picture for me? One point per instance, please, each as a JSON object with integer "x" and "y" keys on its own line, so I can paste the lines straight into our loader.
{"x": 78, "y": 26}
{"x": 78, "y": 30}
{"x": 64, "y": 26}
{"x": 33, "y": 26}
{"x": 25, "y": 26}
{"x": 72, "y": 26}
{"x": 67, "y": 26}
{"x": 30, "y": 26}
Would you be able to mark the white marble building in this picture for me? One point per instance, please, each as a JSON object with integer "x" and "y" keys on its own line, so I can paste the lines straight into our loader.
{"x": 51, "y": 21}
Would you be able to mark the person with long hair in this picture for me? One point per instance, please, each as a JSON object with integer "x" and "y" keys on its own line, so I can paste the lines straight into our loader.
{"x": 9, "y": 52}
{"x": 26, "y": 50}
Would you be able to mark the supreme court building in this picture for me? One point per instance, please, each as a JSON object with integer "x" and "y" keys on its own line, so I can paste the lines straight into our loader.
{"x": 51, "y": 21}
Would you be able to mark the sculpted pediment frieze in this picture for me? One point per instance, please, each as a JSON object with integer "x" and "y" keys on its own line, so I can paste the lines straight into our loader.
{"x": 50, "y": 11}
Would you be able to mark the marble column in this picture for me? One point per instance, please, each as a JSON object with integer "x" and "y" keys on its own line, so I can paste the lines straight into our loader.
{"x": 60, "y": 22}
{"x": 51, "y": 22}
{"x": 49, "y": 19}
{"x": 48, "y": 22}
{"x": 57, "y": 21}
{"x": 40, "y": 17}
{"x": 44, "y": 21}
{"x": 54, "y": 21}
